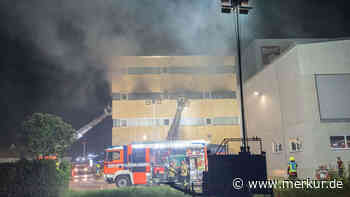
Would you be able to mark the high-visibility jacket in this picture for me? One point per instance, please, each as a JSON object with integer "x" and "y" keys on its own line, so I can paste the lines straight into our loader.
{"x": 184, "y": 170}
{"x": 172, "y": 171}
{"x": 57, "y": 165}
{"x": 292, "y": 167}
{"x": 201, "y": 168}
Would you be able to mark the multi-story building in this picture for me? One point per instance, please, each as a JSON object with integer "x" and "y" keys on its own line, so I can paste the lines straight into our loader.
{"x": 299, "y": 103}
{"x": 145, "y": 92}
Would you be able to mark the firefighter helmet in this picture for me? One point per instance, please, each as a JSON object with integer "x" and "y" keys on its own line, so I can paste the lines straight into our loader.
{"x": 291, "y": 159}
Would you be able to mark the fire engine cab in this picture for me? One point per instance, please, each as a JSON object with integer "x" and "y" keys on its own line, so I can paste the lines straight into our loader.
{"x": 149, "y": 163}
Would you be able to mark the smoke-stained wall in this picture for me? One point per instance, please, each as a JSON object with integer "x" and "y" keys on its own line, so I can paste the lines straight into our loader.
{"x": 145, "y": 90}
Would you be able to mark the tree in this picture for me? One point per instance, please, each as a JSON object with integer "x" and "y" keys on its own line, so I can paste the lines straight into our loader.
{"x": 46, "y": 134}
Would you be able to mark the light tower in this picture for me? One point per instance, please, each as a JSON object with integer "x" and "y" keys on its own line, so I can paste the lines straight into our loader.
{"x": 239, "y": 7}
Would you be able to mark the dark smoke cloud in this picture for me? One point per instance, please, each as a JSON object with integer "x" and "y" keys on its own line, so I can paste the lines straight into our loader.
{"x": 57, "y": 51}
{"x": 54, "y": 52}
{"x": 71, "y": 32}
{"x": 298, "y": 19}
{"x": 83, "y": 35}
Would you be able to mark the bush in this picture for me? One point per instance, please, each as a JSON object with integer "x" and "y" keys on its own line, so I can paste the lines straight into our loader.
{"x": 38, "y": 178}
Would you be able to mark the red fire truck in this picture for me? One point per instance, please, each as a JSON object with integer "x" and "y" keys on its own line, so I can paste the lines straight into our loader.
{"x": 149, "y": 163}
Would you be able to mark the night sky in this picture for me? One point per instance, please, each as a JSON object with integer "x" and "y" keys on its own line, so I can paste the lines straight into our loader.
{"x": 54, "y": 54}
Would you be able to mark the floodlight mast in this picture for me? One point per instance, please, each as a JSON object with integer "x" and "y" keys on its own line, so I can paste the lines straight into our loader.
{"x": 240, "y": 7}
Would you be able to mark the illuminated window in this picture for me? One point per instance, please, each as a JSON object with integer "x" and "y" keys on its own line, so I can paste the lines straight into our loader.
{"x": 124, "y": 123}
{"x": 340, "y": 141}
{"x": 192, "y": 122}
{"x": 295, "y": 144}
{"x": 207, "y": 95}
{"x": 116, "y": 123}
{"x": 225, "y": 121}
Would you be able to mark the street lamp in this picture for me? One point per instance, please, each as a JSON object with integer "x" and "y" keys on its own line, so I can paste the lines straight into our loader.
{"x": 240, "y": 7}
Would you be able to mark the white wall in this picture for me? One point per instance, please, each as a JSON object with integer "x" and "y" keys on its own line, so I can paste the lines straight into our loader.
{"x": 287, "y": 106}
{"x": 323, "y": 58}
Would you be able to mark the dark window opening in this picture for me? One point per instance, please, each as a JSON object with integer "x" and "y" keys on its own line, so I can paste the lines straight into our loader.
{"x": 166, "y": 122}
{"x": 208, "y": 121}
{"x": 124, "y": 96}
{"x": 338, "y": 141}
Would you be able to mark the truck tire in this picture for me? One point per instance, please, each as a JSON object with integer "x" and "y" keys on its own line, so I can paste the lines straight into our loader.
{"x": 122, "y": 181}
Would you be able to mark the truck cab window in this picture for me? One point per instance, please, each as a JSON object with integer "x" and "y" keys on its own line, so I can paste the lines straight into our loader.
{"x": 111, "y": 156}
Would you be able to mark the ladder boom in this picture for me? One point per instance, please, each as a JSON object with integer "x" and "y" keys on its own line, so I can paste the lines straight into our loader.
{"x": 173, "y": 133}
{"x": 83, "y": 130}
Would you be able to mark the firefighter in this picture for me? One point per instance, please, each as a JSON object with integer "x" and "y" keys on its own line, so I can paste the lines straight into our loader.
{"x": 58, "y": 164}
{"x": 172, "y": 171}
{"x": 340, "y": 167}
{"x": 184, "y": 172}
{"x": 98, "y": 169}
{"x": 292, "y": 169}
{"x": 201, "y": 166}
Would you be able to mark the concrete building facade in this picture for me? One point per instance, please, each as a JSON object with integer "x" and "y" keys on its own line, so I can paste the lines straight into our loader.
{"x": 299, "y": 104}
{"x": 145, "y": 92}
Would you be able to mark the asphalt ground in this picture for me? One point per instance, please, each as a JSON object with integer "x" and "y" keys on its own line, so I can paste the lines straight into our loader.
{"x": 96, "y": 183}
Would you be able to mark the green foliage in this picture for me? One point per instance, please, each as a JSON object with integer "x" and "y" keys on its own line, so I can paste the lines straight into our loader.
{"x": 46, "y": 134}
{"x": 154, "y": 191}
{"x": 37, "y": 178}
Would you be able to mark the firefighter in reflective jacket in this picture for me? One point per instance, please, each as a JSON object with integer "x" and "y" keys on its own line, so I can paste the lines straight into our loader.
{"x": 98, "y": 169}
{"x": 58, "y": 164}
{"x": 184, "y": 173}
{"x": 172, "y": 171}
{"x": 292, "y": 169}
{"x": 340, "y": 167}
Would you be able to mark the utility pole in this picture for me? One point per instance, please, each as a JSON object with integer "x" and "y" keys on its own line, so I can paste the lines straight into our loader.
{"x": 84, "y": 149}
{"x": 239, "y": 7}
